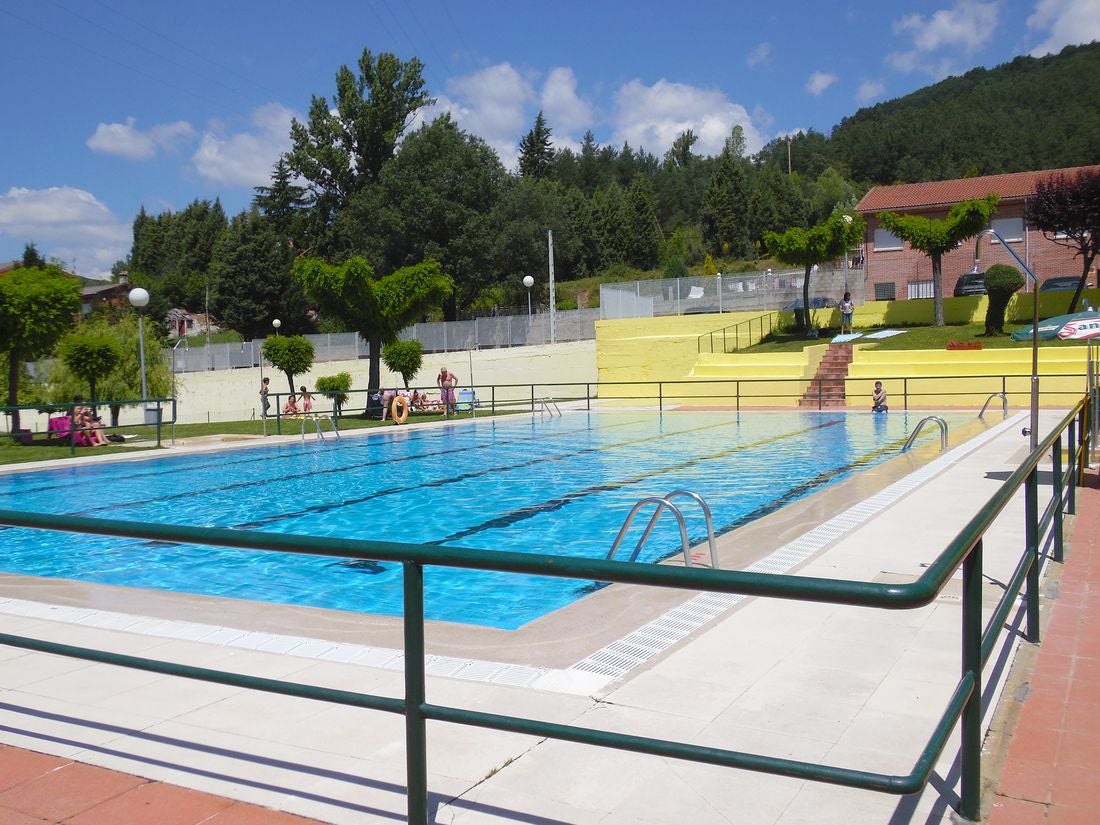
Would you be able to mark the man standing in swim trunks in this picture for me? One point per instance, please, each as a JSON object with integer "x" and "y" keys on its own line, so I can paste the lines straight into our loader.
{"x": 447, "y": 383}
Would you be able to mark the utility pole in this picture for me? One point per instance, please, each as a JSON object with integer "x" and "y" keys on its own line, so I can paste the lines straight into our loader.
{"x": 553, "y": 300}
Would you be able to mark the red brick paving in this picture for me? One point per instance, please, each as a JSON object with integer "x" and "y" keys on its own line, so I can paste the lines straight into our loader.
{"x": 36, "y": 789}
{"x": 1051, "y": 775}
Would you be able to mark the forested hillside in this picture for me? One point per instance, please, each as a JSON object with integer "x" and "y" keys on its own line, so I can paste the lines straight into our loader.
{"x": 1032, "y": 113}
{"x": 356, "y": 183}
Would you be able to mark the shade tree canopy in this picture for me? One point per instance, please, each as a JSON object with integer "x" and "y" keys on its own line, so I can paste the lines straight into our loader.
{"x": 290, "y": 354}
{"x": 377, "y": 308}
{"x": 937, "y": 236}
{"x": 1066, "y": 209}
{"x": 809, "y": 247}
{"x": 37, "y": 307}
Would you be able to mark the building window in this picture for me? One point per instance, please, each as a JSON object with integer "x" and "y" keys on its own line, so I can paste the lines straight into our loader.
{"x": 919, "y": 289}
{"x": 1011, "y": 229}
{"x": 886, "y": 240}
{"x": 885, "y": 291}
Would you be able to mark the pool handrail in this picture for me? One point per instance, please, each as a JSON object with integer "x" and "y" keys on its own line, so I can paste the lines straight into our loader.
{"x": 964, "y": 551}
{"x": 920, "y": 426}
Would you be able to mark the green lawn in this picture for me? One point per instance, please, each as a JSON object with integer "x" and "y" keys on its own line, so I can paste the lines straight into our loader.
{"x": 42, "y": 449}
{"x": 912, "y": 338}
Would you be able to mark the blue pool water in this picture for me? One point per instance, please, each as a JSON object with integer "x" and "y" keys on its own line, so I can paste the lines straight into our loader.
{"x": 554, "y": 485}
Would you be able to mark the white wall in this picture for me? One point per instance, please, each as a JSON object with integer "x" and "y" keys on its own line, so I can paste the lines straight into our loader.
{"x": 233, "y": 395}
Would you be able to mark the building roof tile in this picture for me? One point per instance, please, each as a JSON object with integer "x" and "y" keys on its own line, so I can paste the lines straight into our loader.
{"x": 1011, "y": 186}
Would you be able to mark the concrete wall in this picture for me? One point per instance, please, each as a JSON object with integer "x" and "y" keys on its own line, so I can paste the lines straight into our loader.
{"x": 233, "y": 395}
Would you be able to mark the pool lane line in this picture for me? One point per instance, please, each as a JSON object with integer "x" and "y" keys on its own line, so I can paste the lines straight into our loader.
{"x": 332, "y": 505}
{"x": 473, "y": 474}
{"x": 550, "y": 505}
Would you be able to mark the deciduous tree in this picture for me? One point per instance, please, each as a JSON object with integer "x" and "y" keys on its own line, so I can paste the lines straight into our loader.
{"x": 292, "y": 354}
{"x": 403, "y": 357}
{"x": 807, "y": 247}
{"x": 344, "y": 144}
{"x": 37, "y": 306}
{"x": 377, "y": 308}
{"x": 937, "y": 236}
{"x": 90, "y": 355}
{"x": 1066, "y": 208}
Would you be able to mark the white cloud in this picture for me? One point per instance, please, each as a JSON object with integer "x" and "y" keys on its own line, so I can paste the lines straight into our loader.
{"x": 964, "y": 28}
{"x": 66, "y": 223}
{"x": 245, "y": 158}
{"x": 566, "y": 112}
{"x": 819, "y": 82}
{"x": 653, "y": 116}
{"x": 1065, "y": 22}
{"x": 869, "y": 90}
{"x": 758, "y": 54}
{"x": 492, "y": 104}
{"x": 125, "y": 140}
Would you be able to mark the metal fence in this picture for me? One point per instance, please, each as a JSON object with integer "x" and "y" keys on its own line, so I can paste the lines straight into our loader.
{"x": 437, "y": 336}
{"x": 740, "y": 292}
{"x": 977, "y": 641}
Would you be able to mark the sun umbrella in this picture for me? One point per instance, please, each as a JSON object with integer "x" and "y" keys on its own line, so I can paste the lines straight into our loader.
{"x": 1078, "y": 326}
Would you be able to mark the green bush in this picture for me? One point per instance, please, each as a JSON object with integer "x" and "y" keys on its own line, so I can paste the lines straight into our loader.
{"x": 404, "y": 358}
{"x": 335, "y": 387}
{"x": 1001, "y": 281}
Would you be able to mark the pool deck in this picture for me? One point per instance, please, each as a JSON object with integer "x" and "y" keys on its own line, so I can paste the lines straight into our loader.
{"x": 853, "y": 687}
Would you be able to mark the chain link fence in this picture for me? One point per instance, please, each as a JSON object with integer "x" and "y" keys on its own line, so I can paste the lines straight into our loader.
{"x": 744, "y": 292}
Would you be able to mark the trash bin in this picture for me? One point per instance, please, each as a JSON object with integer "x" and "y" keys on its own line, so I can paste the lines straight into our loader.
{"x": 152, "y": 415}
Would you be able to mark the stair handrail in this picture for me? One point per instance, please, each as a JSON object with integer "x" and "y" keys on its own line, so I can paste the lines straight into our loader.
{"x": 1004, "y": 403}
{"x": 736, "y": 335}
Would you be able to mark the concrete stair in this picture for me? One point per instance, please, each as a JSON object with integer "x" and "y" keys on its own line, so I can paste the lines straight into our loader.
{"x": 827, "y": 388}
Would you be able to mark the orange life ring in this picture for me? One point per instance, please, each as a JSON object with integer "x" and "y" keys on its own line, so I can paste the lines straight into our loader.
{"x": 399, "y": 409}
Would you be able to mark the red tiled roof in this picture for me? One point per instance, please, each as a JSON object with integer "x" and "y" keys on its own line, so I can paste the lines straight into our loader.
{"x": 1012, "y": 186}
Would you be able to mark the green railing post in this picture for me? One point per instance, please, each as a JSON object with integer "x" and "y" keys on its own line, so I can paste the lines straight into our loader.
{"x": 1031, "y": 527}
{"x": 532, "y": 399}
{"x": 588, "y": 397}
{"x": 416, "y": 756}
{"x": 970, "y": 752}
{"x": 905, "y": 393}
{"x": 1071, "y": 443}
{"x": 660, "y": 396}
{"x": 1060, "y": 497}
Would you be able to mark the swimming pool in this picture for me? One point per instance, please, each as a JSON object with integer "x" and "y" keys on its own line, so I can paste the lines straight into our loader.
{"x": 542, "y": 485}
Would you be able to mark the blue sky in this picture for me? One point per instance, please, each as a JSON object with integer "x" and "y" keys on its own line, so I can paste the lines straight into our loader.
{"x": 111, "y": 105}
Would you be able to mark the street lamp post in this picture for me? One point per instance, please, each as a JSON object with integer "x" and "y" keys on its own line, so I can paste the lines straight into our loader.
{"x": 528, "y": 282}
{"x": 139, "y": 298}
{"x": 276, "y": 323}
{"x": 1034, "y": 426}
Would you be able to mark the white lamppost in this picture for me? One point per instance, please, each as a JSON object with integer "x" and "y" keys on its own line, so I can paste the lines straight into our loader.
{"x": 276, "y": 323}
{"x": 140, "y": 298}
{"x": 528, "y": 282}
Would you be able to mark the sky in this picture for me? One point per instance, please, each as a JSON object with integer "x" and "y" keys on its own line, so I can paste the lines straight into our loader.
{"x": 114, "y": 105}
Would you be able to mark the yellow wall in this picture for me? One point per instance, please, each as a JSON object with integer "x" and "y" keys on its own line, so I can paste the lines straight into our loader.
{"x": 666, "y": 350}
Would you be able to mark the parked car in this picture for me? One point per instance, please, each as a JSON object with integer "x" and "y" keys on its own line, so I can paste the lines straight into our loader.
{"x": 972, "y": 283}
{"x": 818, "y": 302}
{"x": 1062, "y": 282}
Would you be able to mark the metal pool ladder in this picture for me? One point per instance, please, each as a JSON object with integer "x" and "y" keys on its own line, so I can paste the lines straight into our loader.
{"x": 1004, "y": 403}
{"x": 920, "y": 425}
{"x": 317, "y": 422}
{"x": 662, "y": 502}
{"x": 547, "y": 406}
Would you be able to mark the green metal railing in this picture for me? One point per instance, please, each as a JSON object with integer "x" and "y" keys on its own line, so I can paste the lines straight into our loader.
{"x": 153, "y": 407}
{"x": 730, "y": 336}
{"x": 1072, "y": 434}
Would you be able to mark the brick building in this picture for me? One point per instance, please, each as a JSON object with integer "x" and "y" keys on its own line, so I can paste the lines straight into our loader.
{"x": 892, "y": 270}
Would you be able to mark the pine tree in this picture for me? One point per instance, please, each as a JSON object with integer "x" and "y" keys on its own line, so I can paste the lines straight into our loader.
{"x": 536, "y": 158}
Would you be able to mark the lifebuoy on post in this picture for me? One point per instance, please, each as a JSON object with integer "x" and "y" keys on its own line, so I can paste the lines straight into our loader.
{"x": 399, "y": 409}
